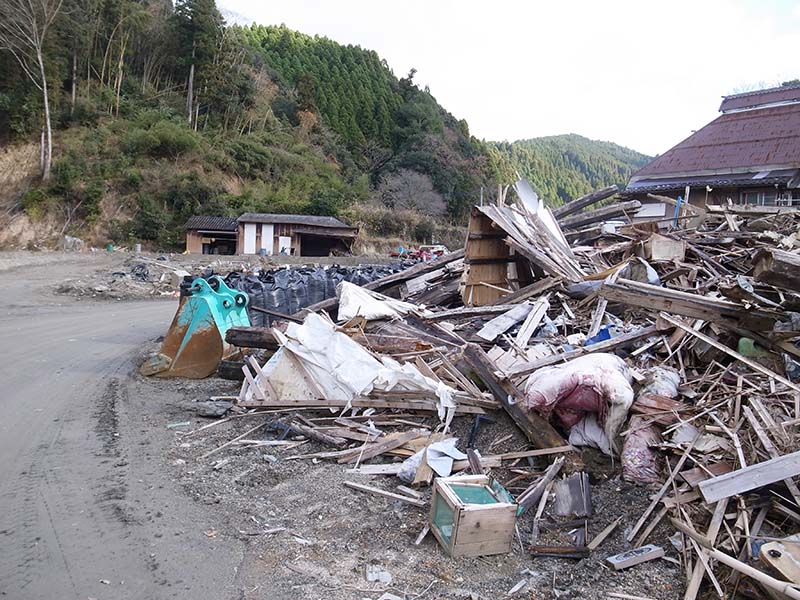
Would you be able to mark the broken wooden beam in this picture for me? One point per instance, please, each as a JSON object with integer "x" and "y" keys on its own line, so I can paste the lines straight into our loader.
{"x": 751, "y": 477}
{"x": 534, "y": 289}
{"x": 470, "y": 311}
{"x": 778, "y": 268}
{"x": 311, "y": 433}
{"x": 714, "y": 310}
{"x": 578, "y": 204}
{"x": 540, "y": 433}
{"x": 534, "y": 492}
{"x": 379, "y": 492}
{"x": 252, "y": 337}
{"x": 597, "y": 215}
{"x": 560, "y": 551}
{"x": 371, "y": 450}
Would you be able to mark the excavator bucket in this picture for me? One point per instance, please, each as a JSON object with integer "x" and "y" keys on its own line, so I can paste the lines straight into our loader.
{"x": 195, "y": 343}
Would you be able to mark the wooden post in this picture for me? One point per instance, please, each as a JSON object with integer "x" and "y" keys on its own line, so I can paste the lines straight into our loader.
{"x": 540, "y": 433}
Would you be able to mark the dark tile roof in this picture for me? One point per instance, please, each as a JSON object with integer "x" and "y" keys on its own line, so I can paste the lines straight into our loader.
{"x": 760, "y": 97}
{"x": 314, "y": 220}
{"x": 212, "y": 223}
{"x": 752, "y": 141}
{"x": 787, "y": 177}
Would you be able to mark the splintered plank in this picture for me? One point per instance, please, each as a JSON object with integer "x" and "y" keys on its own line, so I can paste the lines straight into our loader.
{"x": 750, "y": 477}
{"x": 372, "y": 450}
{"x": 504, "y": 322}
{"x": 379, "y": 492}
{"x": 535, "y": 316}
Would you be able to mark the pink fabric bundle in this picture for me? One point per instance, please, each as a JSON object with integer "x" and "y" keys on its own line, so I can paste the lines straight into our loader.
{"x": 595, "y": 383}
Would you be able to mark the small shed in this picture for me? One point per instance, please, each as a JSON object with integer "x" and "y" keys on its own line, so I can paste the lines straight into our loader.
{"x": 212, "y": 235}
{"x": 297, "y": 235}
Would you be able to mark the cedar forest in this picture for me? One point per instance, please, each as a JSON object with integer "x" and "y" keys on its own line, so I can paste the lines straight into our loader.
{"x": 149, "y": 113}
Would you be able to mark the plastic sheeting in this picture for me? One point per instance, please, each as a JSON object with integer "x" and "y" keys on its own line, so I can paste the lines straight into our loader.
{"x": 289, "y": 290}
{"x": 356, "y": 301}
{"x": 342, "y": 369}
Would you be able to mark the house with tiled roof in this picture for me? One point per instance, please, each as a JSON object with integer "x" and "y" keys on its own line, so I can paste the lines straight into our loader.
{"x": 269, "y": 234}
{"x": 750, "y": 154}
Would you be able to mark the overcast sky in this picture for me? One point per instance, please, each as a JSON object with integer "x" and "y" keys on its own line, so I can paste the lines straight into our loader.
{"x": 641, "y": 74}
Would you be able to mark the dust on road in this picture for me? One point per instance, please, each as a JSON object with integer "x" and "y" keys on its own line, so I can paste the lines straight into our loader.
{"x": 85, "y": 509}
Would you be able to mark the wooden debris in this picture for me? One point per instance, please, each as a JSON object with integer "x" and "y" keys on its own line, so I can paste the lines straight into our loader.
{"x": 560, "y": 551}
{"x": 504, "y": 322}
{"x": 531, "y": 495}
{"x": 618, "y": 209}
{"x": 540, "y": 433}
{"x": 379, "y": 492}
{"x": 783, "y": 587}
{"x": 778, "y": 268}
{"x": 582, "y": 202}
{"x": 750, "y": 477}
{"x": 601, "y": 537}
{"x": 573, "y": 496}
{"x": 606, "y": 346}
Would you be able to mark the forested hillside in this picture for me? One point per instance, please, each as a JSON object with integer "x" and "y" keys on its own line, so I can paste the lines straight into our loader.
{"x": 566, "y": 166}
{"x": 155, "y": 113}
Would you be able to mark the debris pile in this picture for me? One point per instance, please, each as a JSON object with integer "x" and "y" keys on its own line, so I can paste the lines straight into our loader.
{"x": 139, "y": 278}
{"x": 668, "y": 347}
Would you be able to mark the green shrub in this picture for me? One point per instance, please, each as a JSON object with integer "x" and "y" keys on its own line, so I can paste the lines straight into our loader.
{"x": 133, "y": 179}
{"x": 165, "y": 139}
{"x": 36, "y": 203}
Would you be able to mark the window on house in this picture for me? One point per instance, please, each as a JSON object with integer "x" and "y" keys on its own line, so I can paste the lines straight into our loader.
{"x": 768, "y": 198}
{"x": 750, "y": 197}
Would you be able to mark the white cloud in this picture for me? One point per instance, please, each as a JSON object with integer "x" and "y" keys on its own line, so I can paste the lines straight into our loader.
{"x": 637, "y": 73}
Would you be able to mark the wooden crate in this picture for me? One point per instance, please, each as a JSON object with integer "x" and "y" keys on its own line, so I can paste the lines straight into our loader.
{"x": 477, "y": 528}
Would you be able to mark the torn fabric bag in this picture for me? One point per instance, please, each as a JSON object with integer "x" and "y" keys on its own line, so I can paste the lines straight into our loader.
{"x": 637, "y": 458}
{"x": 587, "y": 432}
{"x": 596, "y": 383}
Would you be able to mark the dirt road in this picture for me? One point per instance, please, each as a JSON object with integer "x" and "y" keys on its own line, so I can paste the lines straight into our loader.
{"x": 85, "y": 510}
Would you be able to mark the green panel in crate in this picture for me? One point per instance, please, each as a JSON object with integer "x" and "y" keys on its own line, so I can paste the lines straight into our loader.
{"x": 443, "y": 519}
{"x": 473, "y": 494}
